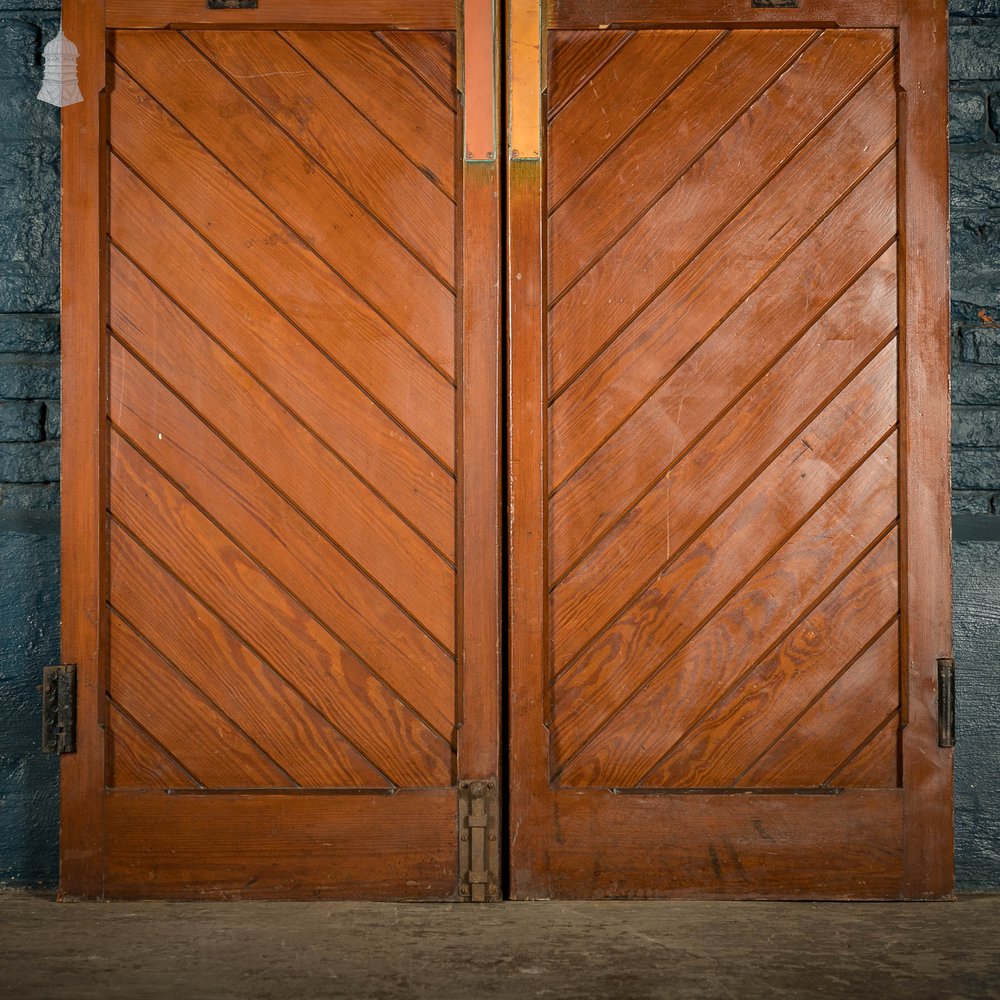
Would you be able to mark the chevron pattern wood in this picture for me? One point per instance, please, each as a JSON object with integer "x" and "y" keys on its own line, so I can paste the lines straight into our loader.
{"x": 724, "y": 598}
{"x": 283, "y": 397}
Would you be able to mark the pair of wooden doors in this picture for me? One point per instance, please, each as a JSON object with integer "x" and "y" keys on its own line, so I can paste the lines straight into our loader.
{"x": 506, "y": 450}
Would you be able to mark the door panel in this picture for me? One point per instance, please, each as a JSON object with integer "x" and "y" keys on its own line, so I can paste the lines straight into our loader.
{"x": 297, "y": 661}
{"x": 714, "y": 372}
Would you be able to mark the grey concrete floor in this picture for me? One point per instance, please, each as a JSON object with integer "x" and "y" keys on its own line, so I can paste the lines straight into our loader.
{"x": 65, "y": 951}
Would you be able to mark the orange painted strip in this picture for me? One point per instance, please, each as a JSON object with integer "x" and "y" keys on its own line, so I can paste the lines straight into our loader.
{"x": 525, "y": 80}
{"x": 480, "y": 80}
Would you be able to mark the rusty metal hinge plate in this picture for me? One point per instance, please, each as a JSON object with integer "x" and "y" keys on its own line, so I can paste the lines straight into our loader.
{"x": 59, "y": 709}
{"x": 478, "y": 840}
{"x": 946, "y": 702}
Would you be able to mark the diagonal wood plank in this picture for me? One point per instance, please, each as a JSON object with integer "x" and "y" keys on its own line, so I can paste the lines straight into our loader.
{"x": 277, "y": 536}
{"x": 729, "y": 458}
{"x": 285, "y": 451}
{"x": 359, "y": 157}
{"x": 135, "y": 760}
{"x": 281, "y": 174}
{"x": 728, "y": 737}
{"x": 389, "y": 94}
{"x": 657, "y": 152}
{"x": 710, "y": 193}
{"x": 664, "y": 644}
{"x": 431, "y": 56}
{"x": 209, "y": 654}
{"x": 574, "y": 57}
{"x": 615, "y": 99}
{"x": 660, "y": 715}
{"x": 715, "y": 376}
{"x": 246, "y": 233}
{"x": 855, "y": 704}
{"x": 875, "y": 764}
{"x": 265, "y": 617}
{"x": 750, "y": 247}
{"x": 203, "y": 740}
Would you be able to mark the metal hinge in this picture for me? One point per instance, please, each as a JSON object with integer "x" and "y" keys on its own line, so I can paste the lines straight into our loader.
{"x": 478, "y": 840}
{"x": 231, "y": 4}
{"x": 59, "y": 709}
{"x": 946, "y": 702}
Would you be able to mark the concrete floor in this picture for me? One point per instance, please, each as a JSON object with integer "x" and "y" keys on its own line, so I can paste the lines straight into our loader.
{"x": 65, "y": 951}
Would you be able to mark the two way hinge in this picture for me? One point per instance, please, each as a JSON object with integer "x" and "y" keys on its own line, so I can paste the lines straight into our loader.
{"x": 59, "y": 709}
{"x": 946, "y": 702}
{"x": 478, "y": 840}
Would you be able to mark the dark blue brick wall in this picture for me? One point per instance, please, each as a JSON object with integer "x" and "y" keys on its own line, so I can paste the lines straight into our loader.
{"x": 29, "y": 440}
{"x": 975, "y": 253}
{"x": 29, "y": 436}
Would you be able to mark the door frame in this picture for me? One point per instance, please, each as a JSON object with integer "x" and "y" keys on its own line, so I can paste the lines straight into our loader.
{"x": 555, "y": 829}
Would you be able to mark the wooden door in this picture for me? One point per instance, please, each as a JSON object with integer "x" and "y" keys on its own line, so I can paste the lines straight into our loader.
{"x": 728, "y": 445}
{"x": 281, "y": 276}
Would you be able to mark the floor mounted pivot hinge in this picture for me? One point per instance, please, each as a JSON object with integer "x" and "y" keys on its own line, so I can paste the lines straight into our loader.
{"x": 478, "y": 840}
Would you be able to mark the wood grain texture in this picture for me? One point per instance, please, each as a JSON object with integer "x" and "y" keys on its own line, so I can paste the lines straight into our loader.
{"x": 654, "y": 154}
{"x": 732, "y": 265}
{"x": 573, "y": 59}
{"x": 428, "y": 14}
{"x": 431, "y": 55}
{"x": 848, "y": 711}
{"x": 875, "y": 763}
{"x": 713, "y": 189}
{"x": 281, "y": 720}
{"x": 386, "y": 276}
{"x": 740, "y": 846}
{"x": 926, "y": 416}
{"x": 713, "y": 639}
{"x": 278, "y": 266}
{"x": 653, "y": 13}
{"x": 315, "y": 379}
{"x": 296, "y": 550}
{"x": 481, "y": 432}
{"x": 727, "y": 738}
{"x": 364, "y": 163}
{"x": 390, "y": 552}
{"x": 83, "y": 475}
{"x": 528, "y": 641}
{"x": 761, "y": 609}
{"x": 136, "y": 761}
{"x": 272, "y": 622}
{"x": 387, "y": 92}
{"x": 291, "y": 846}
{"x": 207, "y": 743}
{"x": 636, "y": 78}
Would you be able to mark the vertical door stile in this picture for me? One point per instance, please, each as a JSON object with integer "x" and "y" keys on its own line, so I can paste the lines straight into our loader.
{"x": 479, "y": 737}
{"x": 84, "y": 470}
{"x": 527, "y": 451}
{"x": 926, "y": 417}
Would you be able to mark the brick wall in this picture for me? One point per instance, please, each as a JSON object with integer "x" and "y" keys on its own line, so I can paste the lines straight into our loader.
{"x": 975, "y": 247}
{"x": 975, "y": 250}
{"x": 29, "y": 438}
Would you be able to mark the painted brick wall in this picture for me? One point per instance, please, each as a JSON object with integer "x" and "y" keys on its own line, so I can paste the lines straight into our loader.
{"x": 29, "y": 439}
{"x": 29, "y": 436}
{"x": 975, "y": 249}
